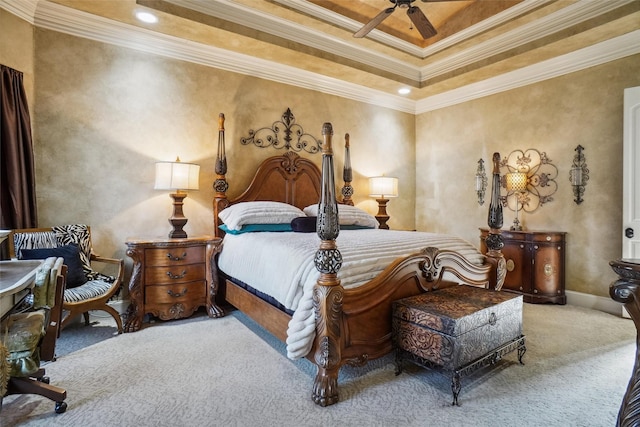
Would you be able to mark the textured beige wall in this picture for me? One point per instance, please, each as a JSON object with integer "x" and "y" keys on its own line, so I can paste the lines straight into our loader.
{"x": 106, "y": 114}
{"x": 17, "y": 50}
{"x": 554, "y": 117}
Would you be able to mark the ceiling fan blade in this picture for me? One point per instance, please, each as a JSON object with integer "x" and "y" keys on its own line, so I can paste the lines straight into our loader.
{"x": 421, "y": 22}
{"x": 374, "y": 22}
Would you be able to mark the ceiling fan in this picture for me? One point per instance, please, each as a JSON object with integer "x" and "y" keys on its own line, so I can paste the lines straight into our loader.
{"x": 418, "y": 18}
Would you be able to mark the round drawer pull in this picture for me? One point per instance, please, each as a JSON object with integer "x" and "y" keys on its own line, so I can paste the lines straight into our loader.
{"x": 177, "y": 276}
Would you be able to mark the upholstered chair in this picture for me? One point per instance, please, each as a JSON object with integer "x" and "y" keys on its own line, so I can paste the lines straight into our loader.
{"x": 87, "y": 288}
{"x": 29, "y": 336}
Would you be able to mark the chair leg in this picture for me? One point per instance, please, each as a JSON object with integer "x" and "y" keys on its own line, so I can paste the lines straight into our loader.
{"x": 86, "y": 318}
{"x": 39, "y": 385}
{"x": 116, "y": 316}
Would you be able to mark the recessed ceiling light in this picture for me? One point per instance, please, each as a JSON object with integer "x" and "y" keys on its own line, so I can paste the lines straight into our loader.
{"x": 404, "y": 91}
{"x": 146, "y": 17}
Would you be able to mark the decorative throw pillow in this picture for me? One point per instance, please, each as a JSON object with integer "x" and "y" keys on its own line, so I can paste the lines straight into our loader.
{"x": 79, "y": 235}
{"x": 306, "y": 224}
{"x": 32, "y": 240}
{"x": 256, "y": 228}
{"x": 259, "y": 212}
{"x": 71, "y": 255}
{"x": 348, "y": 215}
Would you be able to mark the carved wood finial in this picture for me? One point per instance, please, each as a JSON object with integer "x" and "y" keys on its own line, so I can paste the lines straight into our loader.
{"x": 347, "y": 174}
{"x": 494, "y": 239}
{"x": 220, "y": 185}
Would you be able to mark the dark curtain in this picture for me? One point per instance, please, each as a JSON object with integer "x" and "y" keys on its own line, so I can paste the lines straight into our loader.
{"x": 17, "y": 174}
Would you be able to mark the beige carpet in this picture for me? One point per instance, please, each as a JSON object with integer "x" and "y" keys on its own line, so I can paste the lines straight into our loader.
{"x": 215, "y": 372}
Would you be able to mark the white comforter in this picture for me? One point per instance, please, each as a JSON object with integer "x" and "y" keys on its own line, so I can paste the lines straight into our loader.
{"x": 281, "y": 265}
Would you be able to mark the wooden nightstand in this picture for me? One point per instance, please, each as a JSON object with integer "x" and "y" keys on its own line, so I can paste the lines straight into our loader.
{"x": 535, "y": 264}
{"x": 172, "y": 278}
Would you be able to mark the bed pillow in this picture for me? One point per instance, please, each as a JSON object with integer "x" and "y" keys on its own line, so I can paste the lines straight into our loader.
{"x": 348, "y": 216}
{"x": 71, "y": 255}
{"x": 256, "y": 228}
{"x": 260, "y": 212}
{"x": 305, "y": 224}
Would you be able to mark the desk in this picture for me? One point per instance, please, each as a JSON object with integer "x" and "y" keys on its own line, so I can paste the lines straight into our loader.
{"x": 627, "y": 291}
{"x": 16, "y": 277}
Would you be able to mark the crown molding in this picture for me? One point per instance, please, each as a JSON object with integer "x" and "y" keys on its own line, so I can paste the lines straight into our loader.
{"x": 327, "y": 15}
{"x": 601, "y": 53}
{"x": 24, "y": 9}
{"x": 240, "y": 14}
{"x": 576, "y": 13}
{"x": 53, "y": 16}
{"x": 66, "y": 20}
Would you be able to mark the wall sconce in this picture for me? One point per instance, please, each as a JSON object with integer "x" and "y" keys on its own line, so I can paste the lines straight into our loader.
{"x": 540, "y": 181}
{"x": 517, "y": 184}
{"x": 382, "y": 188}
{"x": 579, "y": 174}
{"x": 481, "y": 182}
{"x": 180, "y": 177}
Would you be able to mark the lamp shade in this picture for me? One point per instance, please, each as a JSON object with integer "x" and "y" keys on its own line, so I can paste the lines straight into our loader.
{"x": 517, "y": 181}
{"x": 383, "y": 186}
{"x": 177, "y": 176}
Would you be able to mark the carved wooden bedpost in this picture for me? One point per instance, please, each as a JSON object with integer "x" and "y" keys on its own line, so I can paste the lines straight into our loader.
{"x": 347, "y": 174}
{"x": 627, "y": 291}
{"x": 328, "y": 292}
{"x": 494, "y": 240}
{"x": 220, "y": 185}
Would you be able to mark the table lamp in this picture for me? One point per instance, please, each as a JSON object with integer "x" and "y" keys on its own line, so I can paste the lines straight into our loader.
{"x": 180, "y": 177}
{"x": 382, "y": 188}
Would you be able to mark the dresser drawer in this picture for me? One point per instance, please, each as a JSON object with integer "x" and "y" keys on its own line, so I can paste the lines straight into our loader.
{"x": 174, "y": 256}
{"x": 174, "y": 274}
{"x": 179, "y": 292}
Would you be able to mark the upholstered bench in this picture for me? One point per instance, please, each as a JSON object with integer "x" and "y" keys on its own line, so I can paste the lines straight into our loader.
{"x": 460, "y": 329}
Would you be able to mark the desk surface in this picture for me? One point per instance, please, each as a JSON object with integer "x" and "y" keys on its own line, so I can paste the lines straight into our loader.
{"x": 17, "y": 275}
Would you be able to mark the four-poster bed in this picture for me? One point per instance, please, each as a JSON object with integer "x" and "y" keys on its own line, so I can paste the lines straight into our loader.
{"x": 350, "y": 325}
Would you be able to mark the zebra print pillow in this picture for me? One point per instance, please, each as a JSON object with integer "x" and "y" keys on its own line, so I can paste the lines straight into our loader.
{"x": 36, "y": 240}
{"x": 77, "y": 234}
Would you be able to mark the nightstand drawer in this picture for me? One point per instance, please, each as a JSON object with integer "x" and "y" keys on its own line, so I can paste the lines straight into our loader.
{"x": 174, "y": 256}
{"x": 174, "y": 274}
{"x": 180, "y": 292}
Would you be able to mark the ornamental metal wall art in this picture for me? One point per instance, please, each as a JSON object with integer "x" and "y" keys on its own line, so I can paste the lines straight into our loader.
{"x": 283, "y": 134}
{"x": 541, "y": 180}
{"x": 579, "y": 174}
{"x": 481, "y": 182}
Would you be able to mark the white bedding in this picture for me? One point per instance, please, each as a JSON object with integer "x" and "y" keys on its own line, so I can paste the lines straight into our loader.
{"x": 281, "y": 265}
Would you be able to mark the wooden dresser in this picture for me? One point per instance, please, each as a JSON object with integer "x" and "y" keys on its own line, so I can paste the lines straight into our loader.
{"x": 171, "y": 278}
{"x": 535, "y": 264}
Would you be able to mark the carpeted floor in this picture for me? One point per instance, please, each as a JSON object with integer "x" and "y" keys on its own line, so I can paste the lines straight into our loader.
{"x": 211, "y": 372}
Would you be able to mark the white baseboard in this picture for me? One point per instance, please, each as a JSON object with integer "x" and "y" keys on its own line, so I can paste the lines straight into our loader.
{"x": 595, "y": 302}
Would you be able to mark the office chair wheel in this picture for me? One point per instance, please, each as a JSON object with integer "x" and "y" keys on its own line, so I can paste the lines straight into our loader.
{"x": 44, "y": 380}
{"x": 61, "y": 407}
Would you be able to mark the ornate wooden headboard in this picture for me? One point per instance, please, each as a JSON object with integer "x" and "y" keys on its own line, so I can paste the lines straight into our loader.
{"x": 286, "y": 178}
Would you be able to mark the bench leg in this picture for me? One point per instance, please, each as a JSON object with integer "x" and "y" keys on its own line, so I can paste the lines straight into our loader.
{"x": 456, "y": 386}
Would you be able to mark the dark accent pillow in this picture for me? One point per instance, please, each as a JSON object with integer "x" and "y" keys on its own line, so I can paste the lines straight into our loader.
{"x": 71, "y": 255}
{"x": 304, "y": 224}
